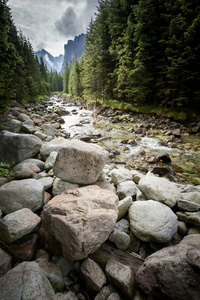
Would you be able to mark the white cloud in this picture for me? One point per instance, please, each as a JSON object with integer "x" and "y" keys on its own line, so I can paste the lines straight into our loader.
{"x": 50, "y": 24}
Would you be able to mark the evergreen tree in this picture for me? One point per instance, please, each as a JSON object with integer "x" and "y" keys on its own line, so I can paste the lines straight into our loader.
{"x": 66, "y": 79}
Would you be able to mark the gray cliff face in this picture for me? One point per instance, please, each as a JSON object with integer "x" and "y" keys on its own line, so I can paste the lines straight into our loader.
{"x": 51, "y": 62}
{"x": 72, "y": 49}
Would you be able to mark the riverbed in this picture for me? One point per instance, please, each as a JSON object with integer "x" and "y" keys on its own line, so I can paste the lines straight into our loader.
{"x": 81, "y": 122}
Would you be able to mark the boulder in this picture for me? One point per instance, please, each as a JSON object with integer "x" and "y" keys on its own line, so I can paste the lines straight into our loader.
{"x": 159, "y": 189}
{"x": 80, "y": 162}
{"x": 152, "y": 221}
{"x": 18, "y": 224}
{"x": 120, "y": 175}
{"x": 54, "y": 145}
{"x": 24, "y": 117}
{"x": 170, "y": 274}
{"x": 92, "y": 275}
{"x": 18, "y": 194}
{"x": 26, "y": 281}
{"x": 48, "y": 129}
{"x": 81, "y": 219}
{"x": 15, "y": 147}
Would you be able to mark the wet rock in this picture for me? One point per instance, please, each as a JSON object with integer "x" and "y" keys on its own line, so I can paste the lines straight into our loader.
{"x": 81, "y": 219}
{"x": 80, "y": 162}
{"x": 126, "y": 188}
{"x": 5, "y": 262}
{"x": 18, "y": 194}
{"x": 26, "y": 281}
{"x": 18, "y": 224}
{"x": 159, "y": 189}
{"x": 16, "y": 147}
{"x": 120, "y": 276}
{"x": 168, "y": 273}
{"x": 92, "y": 275}
{"x": 164, "y": 157}
{"x": 120, "y": 175}
{"x": 152, "y": 221}
{"x": 123, "y": 207}
{"x": 10, "y": 125}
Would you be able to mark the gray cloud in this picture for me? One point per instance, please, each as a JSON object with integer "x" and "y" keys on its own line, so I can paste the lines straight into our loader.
{"x": 67, "y": 25}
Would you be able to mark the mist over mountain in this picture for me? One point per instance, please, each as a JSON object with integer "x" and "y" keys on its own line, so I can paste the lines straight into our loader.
{"x": 51, "y": 62}
{"x": 73, "y": 48}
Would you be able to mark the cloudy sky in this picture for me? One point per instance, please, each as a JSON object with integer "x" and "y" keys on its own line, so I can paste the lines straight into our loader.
{"x": 49, "y": 24}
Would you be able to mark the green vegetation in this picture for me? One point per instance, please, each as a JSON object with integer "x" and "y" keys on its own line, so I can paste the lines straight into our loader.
{"x": 144, "y": 53}
{"x": 5, "y": 170}
{"x": 22, "y": 76}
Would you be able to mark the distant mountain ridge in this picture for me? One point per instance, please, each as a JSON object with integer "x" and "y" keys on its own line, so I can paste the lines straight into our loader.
{"x": 73, "y": 48}
{"x": 51, "y": 62}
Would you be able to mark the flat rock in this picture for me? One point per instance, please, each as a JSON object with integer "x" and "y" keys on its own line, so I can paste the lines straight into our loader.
{"x": 167, "y": 273}
{"x": 81, "y": 219}
{"x": 152, "y": 221}
{"x": 18, "y": 224}
{"x": 80, "y": 162}
{"x": 159, "y": 189}
{"x": 26, "y": 281}
{"x": 15, "y": 147}
{"x": 17, "y": 194}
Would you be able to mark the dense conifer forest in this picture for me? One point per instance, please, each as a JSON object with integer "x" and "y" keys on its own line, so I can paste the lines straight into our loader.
{"x": 139, "y": 52}
{"x": 22, "y": 76}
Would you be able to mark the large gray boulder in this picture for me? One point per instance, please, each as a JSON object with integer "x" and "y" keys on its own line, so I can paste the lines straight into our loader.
{"x": 81, "y": 219}
{"x": 159, "y": 189}
{"x": 152, "y": 221}
{"x": 173, "y": 272}
{"x": 18, "y": 224}
{"x": 18, "y": 194}
{"x": 80, "y": 162}
{"x": 12, "y": 125}
{"x": 26, "y": 281}
{"x": 15, "y": 147}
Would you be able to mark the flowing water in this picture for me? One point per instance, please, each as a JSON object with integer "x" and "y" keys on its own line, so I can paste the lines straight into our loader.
{"x": 81, "y": 122}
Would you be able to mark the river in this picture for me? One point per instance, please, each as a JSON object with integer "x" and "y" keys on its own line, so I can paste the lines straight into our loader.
{"x": 83, "y": 123}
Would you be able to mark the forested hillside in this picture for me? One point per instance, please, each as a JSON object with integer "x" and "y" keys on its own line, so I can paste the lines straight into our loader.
{"x": 22, "y": 78}
{"x": 141, "y": 52}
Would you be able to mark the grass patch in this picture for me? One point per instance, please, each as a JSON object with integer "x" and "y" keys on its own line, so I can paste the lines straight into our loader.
{"x": 5, "y": 170}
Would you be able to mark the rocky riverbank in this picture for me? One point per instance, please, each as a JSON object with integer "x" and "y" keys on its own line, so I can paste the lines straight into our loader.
{"x": 78, "y": 224}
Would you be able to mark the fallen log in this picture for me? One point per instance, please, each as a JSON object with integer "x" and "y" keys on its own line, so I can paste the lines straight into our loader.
{"x": 107, "y": 252}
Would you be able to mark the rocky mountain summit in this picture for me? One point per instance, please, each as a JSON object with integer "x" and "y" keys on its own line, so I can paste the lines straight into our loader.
{"x": 75, "y": 225}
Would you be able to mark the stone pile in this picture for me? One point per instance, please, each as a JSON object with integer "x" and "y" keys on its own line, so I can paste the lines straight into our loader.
{"x": 74, "y": 227}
